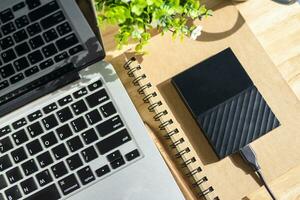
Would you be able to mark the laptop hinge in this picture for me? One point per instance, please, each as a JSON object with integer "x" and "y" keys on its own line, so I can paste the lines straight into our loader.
{"x": 38, "y": 88}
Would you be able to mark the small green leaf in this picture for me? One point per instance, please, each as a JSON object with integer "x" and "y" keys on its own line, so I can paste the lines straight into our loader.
{"x": 136, "y": 18}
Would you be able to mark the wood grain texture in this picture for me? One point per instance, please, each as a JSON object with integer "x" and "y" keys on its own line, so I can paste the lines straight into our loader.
{"x": 277, "y": 28}
{"x": 286, "y": 187}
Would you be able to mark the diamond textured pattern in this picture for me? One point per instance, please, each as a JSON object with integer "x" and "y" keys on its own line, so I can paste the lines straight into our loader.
{"x": 237, "y": 122}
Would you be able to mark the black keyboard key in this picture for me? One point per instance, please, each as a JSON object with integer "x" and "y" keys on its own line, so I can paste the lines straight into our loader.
{"x": 44, "y": 178}
{"x": 117, "y": 163}
{"x": 50, "y": 35}
{"x": 22, "y": 49}
{"x": 36, "y": 42}
{"x": 74, "y": 162}
{"x": 32, "y": 3}
{"x": 64, "y": 114}
{"x": 6, "y": 15}
{"x": 21, "y": 21}
{"x": 14, "y": 175}
{"x": 75, "y": 144}
{"x": 29, "y": 167}
{"x": 97, "y": 98}
{"x": 50, "y": 122}
{"x": 109, "y": 126}
{"x": 8, "y": 55}
{"x": 19, "y": 123}
{"x": 79, "y": 124}
{"x": 108, "y": 109}
{"x": 86, "y": 175}
{"x": 34, "y": 29}
{"x": 7, "y": 70}
{"x": 5, "y": 130}
{"x": 69, "y": 184}
{"x": 93, "y": 117}
{"x": 20, "y": 137}
{"x": 59, "y": 170}
{"x": 16, "y": 78}
{"x": 3, "y": 183}
{"x": 18, "y": 6}
{"x": 76, "y": 49}
{"x": 5, "y": 145}
{"x": 6, "y": 42}
{"x": 20, "y": 36}
{"x": 64, "y": 101}
{"x": 35, "y": 129}
{"x": 35, "y": 57}
{"x": 61, "y": 56}
{"x": 80, "y": 93}
{"x": 113, "y": 141}
{"x": 21, "y": 64}
{"x": 132, "y": 155}
{"x": 49, "y": 139}
{"x": 102, "y": 171}
{"x": 43, "y": 11}
{"x": 114, "y": 156}
{"x": 89, "y": 154}
{"x": 13, "y": 193}
{"x": 19, "y": 155}
{"x": 60, "y": 151}
{"x": 3, "y": 85}
{"x": 44, "y": 159}
{"x": 52, "y": 20}
{"x": 64, "y": 132}
{"x": 66, "y": 42}
{"x": 89, "y": 136}
{"x": 34, "y": 147}
{"x": 31, "y": 71}
{"x": 5, "y": 163}
{"x": 95, "y": 85}
{"x": 64, "y": 29}
{"x": 50, "y": 108}
{"x": 47, "y": 193}
{"x": 49, "y": 50}
{"x": 34, "y": 116}
{"x": 8, "y": 28}
{"x": 79, "y": 107}
{"x": 28, "y": 186}
{"x": 46, "y": 64}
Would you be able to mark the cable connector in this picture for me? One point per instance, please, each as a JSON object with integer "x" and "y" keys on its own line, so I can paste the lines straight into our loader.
{"x": 249, "y": 156}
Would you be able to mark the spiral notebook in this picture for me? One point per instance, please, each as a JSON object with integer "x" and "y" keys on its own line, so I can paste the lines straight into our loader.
{"x": 176, "y": 141}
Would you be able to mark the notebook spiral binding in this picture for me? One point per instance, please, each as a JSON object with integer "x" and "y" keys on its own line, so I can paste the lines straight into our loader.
{"x": 163, "y": 124}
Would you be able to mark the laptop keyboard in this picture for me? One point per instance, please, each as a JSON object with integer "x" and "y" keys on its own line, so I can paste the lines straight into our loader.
{"x": 64, "y": 147}
{"x": 33, "y": 42}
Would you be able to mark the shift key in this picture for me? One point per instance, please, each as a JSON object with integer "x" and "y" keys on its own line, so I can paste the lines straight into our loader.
{"x": 113, "y": 141}
{"x": 67, "y": 42}
{"x": 48, "y": 193}
{"x": 69, "y": 184}
{"x": 52, "y": 20}
{"x": 109, "y": 126}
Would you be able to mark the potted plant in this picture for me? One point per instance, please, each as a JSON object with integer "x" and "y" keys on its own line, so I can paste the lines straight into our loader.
{"x": 136, "y": 18}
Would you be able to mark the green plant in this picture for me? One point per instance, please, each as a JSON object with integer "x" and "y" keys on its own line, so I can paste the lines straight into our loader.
{"x": 136, "y": 18}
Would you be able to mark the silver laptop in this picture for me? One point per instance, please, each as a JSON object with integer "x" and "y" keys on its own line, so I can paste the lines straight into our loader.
{"x": 68, "y": 129}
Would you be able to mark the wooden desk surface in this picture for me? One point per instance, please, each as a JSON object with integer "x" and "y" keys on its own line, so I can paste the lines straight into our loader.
{"x": 277, "y": 28}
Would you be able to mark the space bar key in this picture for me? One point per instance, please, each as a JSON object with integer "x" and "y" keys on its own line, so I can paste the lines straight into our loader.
{"x": 48, "y": 193}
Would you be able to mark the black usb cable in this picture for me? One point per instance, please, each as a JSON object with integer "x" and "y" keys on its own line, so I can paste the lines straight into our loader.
{"x": 249, "y": 157}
